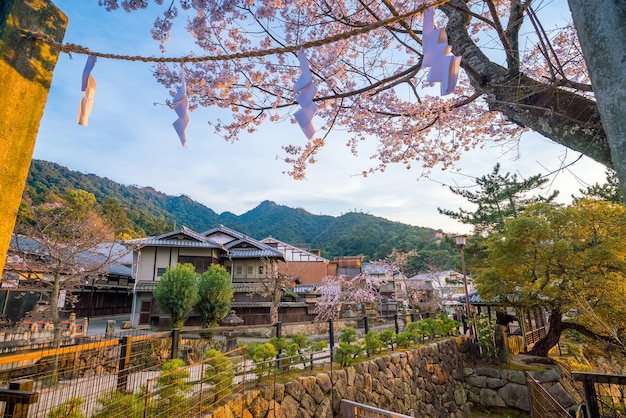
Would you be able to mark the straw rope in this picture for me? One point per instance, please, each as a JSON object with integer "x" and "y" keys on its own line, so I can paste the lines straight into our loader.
{"x": 70, "y": 48}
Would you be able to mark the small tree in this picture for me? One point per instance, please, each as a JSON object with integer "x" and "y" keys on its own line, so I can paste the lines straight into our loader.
{"x": 72, "y": 408}
{"x": 64, "y": 237}
{"x": 118, "y": 404}
{"x": 342, "y": 290}
{"x": 215, "y": 294}
{"x": 177, "y": 292}
{"x": 172, "y": 386}
{"x": 219, "y": 371}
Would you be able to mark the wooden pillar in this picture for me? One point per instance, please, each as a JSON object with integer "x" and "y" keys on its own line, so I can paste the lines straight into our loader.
{"x": 26, "y": 68}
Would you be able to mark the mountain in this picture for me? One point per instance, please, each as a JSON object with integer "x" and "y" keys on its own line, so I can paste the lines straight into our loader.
{"x": 150, "y": 212}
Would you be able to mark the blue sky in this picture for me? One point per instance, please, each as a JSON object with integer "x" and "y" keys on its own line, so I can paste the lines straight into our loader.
{"x": 130, "y": 140}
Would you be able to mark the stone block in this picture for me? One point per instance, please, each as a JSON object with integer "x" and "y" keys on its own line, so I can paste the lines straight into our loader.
{"x": 560, "y": 395}
{"x": 493, "y": 383}
{"x": 546, "y": 376}
{"x": 489, "y": 397}
{"x": 516, "y": 396}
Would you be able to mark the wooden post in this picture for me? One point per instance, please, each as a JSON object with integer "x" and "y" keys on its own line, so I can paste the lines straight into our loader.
{"x": 26, "y": 68}
{"x": 18, "y": 398}
{"x": 175, "y": 343}
{"x": 124, "y": 363}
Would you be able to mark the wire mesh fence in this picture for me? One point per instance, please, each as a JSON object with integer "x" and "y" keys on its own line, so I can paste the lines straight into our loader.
{"x": 543, "y": 405}
{"x": 178, "y": 373}
{"x": 605, "y": 394}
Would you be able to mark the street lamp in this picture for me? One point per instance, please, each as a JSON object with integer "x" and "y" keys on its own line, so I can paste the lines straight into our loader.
{"x": 460, "y": 243}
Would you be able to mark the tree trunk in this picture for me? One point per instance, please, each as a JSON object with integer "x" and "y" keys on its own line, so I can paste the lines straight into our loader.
{"x": 556, "y": 327}
{"x": 278, "y": 293}
{"x": 600, "y": 28}
{"x": 558, "y": 114}
{"x": 54, "y": 311}
{"x": 26, "y": 67}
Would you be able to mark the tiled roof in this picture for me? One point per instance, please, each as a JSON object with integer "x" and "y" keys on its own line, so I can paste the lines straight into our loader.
{"x": 474, "y": 298}
{"x": 153, "y": 242}
{"x": 378, "y": 269}
{"x": 306, "y": 288}
{"x": 172, "y": 239}
{"x": 89, "y": 259}
{"x": 224, "y": 230}
{"x": 268, "y": 305}
{"x": 248, "y": 287}
{"x": 145, "y": 286}
{"x": 254, "y": 253}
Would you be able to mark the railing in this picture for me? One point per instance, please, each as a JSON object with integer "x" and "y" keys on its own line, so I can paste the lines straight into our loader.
{"x": 126, "y": 371}
{"x": 605, "y": 394}
{"x": 351, "y": 409}
{"x": 542, "y": 404}
{"x": 535, "y": 335}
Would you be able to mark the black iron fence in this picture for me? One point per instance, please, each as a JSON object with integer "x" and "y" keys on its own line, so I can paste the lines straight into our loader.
{"x": 132, "y": 374}
{"x": 605, "y": 394}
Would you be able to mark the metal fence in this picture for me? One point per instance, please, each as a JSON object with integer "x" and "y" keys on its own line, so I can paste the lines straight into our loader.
{"x": 125, "y": 375}
{"x": 543, "y": 405}
{"x": 605, "y": 394}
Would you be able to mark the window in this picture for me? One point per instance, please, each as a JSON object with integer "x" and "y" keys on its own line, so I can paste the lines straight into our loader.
{"x": 250, "y": 270}
{"x": 201, "y": 264}
{"x": 260, "y": 270}
{"x": 160, "y": 271}
{"x": 239, "y": 269}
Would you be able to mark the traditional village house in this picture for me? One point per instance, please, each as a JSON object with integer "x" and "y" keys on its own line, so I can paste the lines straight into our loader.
{"x": 24, "y": 290}
{"x": 308, "y": 270}
{"x": 253, "y": 267}
{"x": 439, "y": 290}
{"x": 392, "y": 291}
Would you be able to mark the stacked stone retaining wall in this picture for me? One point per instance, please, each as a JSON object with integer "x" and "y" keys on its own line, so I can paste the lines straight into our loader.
{"x": 427, "y": 381}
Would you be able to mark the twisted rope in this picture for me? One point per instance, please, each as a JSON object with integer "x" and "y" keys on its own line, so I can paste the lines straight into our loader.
{"x": 70, "y": 48}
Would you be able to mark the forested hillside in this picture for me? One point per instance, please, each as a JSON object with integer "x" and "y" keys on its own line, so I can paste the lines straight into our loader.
{"x": 143, "y": 211}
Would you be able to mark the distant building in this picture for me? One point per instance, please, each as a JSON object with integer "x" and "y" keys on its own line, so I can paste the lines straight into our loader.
{"x": 247, "y": 260}
{"x": 23, "y": 289}
{"x": 438, "y": 290}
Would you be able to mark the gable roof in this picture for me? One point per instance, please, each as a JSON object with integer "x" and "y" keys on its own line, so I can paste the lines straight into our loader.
{"x": 293, "y": 253}
{"x": 183, "y": 237}
{"x": 92, "y": 257}
{"x": 247, "y": 247}
{"x": 222, "y": 230}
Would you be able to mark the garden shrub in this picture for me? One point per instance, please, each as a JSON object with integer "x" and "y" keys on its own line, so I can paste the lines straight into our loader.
{"x": 372, "y": 343}
{"x": 117, "y": 404}
{"x": 387, "y": 338}
{"x": 172, "y": 386}
{"x": 69, "y": 409}
{"x": 219, "y": 372}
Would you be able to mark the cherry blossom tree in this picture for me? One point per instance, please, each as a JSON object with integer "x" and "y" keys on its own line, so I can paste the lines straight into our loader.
{"x": 519, "y": 72}
{"x": 339, "y": 291}
{"x": 64, "y": 243}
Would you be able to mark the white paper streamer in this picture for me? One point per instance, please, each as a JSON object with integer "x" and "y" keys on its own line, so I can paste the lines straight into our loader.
{"x": 88, "y": 85}
{"x": 181, "y": 106}
{"x": 444, "y": 67}
{"x": 305, "y": 91}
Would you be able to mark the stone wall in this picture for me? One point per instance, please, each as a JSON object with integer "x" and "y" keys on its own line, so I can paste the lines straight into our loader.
{"x": 497, "y": 387}
{"x": 426, "y": 381}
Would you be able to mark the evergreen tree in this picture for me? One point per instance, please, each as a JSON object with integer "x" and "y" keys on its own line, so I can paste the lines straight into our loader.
{"x": 177, "y": 292}
{"x": 499, "y": 198}
{"x": 215, "y": 294}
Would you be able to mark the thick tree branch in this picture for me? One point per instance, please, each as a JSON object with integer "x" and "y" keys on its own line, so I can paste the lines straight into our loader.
{"x": 558, "y": 114}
